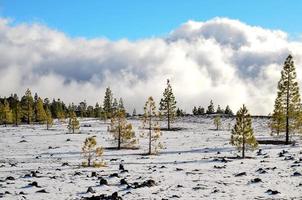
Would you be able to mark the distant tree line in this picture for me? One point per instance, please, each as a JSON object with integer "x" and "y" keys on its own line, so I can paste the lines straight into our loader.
{"x": 211, "y": 110}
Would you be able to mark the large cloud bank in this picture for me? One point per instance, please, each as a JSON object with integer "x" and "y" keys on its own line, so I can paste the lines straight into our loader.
{"x": 220, "y": 59}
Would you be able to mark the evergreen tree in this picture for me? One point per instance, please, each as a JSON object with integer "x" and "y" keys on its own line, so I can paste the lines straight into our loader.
{"x": 90, "y": 112}
{"x": 150, "y": 121}
{"x": 35, "y": 111}
{"x": 27, "y": 106}
{"x": 74, "y": 124}
{"x": 16, "y": 108}
{"x": 242, "y": 133}
{"x": 134, "y": 112}
{"x": 219, "y": 110}
{"x": 115, "y": 106}
{"x": 40, "y": 112}
{"x": 287, "y": 109}
{"x": 121, "y": 105}
{"x": 122, "y": 130}
{"x": 6, "y": 113}
{"x": 167, "y": 104}
{"x": 92, "y": 153}
{"x": 97, "y": 111}
{"x": 195, "y": 111}
{"x": 228, "y": 111}
{"x": 107, "y": 104}
{"x": 211, "y": 109}
{"x": 49, "y": 120}
{"x": 180, "y": 112}
{"x": 217, "y": 122}
{"x": 200, "y": 110}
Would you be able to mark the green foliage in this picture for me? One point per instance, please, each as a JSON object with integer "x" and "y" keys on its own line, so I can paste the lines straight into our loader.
{"x": 150, "y": 121}
{"x": 219, "y": 110}
{"x": 6, "y": 115}
{"x": 228, "y": 111}
{"x": 167, "y": 104}
{"x": 41, "y": 116}
{"x": 92, "y": 153}
{"x": 27, "y": 102}
{"x": 16, "y": 108}
{"x": 242, "y": 133}
{"x": 217, "y": 122}
{"x": 211, "y": 109}
{"x": 74, "y": 124}
{"x": 108, "y": 101}
{"x": 122, "y": 130}
{"x": 287, "y": 109}
{"x": 49, "y": 120}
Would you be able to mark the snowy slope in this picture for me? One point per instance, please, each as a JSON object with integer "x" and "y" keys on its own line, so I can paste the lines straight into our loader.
{"x": 189, "y": 167}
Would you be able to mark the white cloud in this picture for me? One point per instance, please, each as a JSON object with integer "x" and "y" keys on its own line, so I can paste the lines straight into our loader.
{"x": 220, "y": 59}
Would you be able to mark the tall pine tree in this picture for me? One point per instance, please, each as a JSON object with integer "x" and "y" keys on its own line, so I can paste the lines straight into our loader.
{"x": 242, "y": 134}
{"x": 27, "y": 102}
{"x": 108, "y": 101}
{"x": 150, "y": 122}
{"x": 287, "y": 109}
{"x": 167, "y": 104}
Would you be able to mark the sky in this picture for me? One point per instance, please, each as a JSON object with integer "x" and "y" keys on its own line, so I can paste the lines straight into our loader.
{"x": 136, "y": 19}
{"x": 231, "y": 53}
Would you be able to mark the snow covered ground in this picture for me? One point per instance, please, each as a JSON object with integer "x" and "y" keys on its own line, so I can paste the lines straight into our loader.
{"x": 189, "y": 167}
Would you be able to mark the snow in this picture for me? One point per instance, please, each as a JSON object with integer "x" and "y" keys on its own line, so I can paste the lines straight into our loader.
{"x": 189, "y": 167}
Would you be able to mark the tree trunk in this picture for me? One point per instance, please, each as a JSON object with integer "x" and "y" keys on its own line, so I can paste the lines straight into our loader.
{"x": 119, "y": 138}
{"x": 243, "y": 147}
{"x": 287, "y": 112}
{"x": 150, "y": 120}
{"x": 168, "y": 111}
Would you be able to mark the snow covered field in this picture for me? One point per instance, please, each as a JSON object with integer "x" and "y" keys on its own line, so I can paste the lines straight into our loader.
{"x": 191, "y": 166}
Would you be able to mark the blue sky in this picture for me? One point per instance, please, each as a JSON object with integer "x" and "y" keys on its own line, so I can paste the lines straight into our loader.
{"x": 135, "y": 19}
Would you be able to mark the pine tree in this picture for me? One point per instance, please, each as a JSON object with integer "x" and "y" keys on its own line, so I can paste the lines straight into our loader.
{"x": 40, "y": 112}
{"x": 219, "y": 110}
{"x": 6, "y": 113}
{"x": 242, "y": 133}
{"x": 97, "y": 111}
{"x": 228, "y": 111}
{"x": 122, "y": 130}
{"x": 92, "y": 153}
{"x": 107, "y": 104}
{"x": 134, "y": 112}
{"x": 195, "y": 111}
{"x": 150, "y": 121}
{"x": 16, "y": 108}
{"x": 27, "y": 106}
{"x": 168, "y": 104}
{"x": 49, "y": 120}
{"x": 74, "y": 124}
{"x": 287, "y": 109}
{"x": 200, "y": 110}
{"x": 115, "y": 106}
{"x": 211, "y": 109}
{"x": 217, "y": 122}
{"x": 35, "y": 105}
{"x": 121, "y": 105}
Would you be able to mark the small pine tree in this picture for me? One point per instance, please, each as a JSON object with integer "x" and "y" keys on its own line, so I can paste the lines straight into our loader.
{"x": 150, "y": 121}
{"x": 122, "y": 130}
{"x": 108, "y": 101}
{"x": 40, "y": 112}
{"x": 211, "y": 109}
{"x": 91, "y": 153}
{"x": 49, "y": 120}
{"x": 200, "y": 110}
{"x": 242, "y": 133}
{"x": 168, "y": 104}
{"x": 134, "y": 112}
{"x": 74, "y": 124}
{"x": 195, "y": 111}
{"x": 16, "y": 108}
{"x": 228, "y": 111}
{"x": 27, "y": 106}
{"x": 6, "y": 112}
{"x": 217, "y": 122}
{"x": 219, "y": 110}
{"x": 287, "y": 110}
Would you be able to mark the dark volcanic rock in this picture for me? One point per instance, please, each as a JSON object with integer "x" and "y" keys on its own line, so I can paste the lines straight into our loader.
{"x": 114, "y": 175}
{"x": 121, "y": 167}
{"x": 93, "y": 174}
{"x": 296, "y": 174}
{"x": 123, "y": 182}
{"x": 103, "y": 181}
{"x": 90, "y": 190}
{"x": 114, "y": 196}
{"x": 256, "y": 180}
{"x": 34, "y": 184}
{"x": 272, "y": 192}
{"x": 10, "y": 178}
{"x": 240, "y": 174}
{"x": 41, "y": 191}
